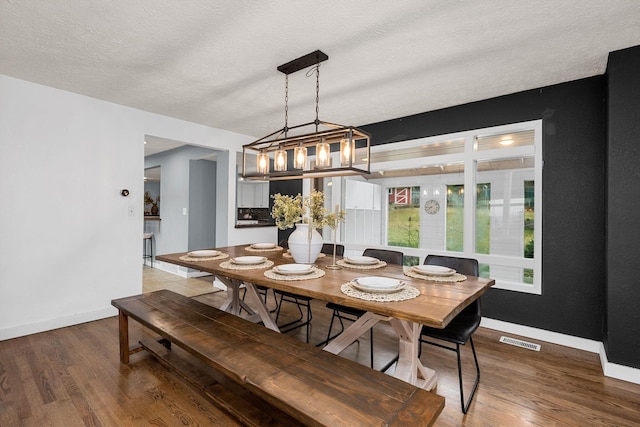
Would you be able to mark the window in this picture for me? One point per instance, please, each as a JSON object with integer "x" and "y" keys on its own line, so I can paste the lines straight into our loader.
{"x": 403, "y": 216}
{"x": 422, "y": 203}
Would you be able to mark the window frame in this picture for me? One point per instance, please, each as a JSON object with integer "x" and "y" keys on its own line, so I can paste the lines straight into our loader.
{"x": 470, "y": 158}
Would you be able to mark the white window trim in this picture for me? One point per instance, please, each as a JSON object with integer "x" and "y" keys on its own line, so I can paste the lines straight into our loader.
{"x": 470, "y": 157}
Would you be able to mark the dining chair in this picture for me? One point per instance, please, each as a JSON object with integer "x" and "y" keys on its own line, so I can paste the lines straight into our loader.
{"x": 350, "y": 314}
{"x": 462, "y": 327}
{"x": 300, "y": 301}
{"x": 327, "y": 248}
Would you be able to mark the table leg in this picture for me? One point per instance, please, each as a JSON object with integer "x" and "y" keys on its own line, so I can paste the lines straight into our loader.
{"x": 353, "y": 332}
{"x": 261, "y": 307}
{"x": 234, "y": 303}
{"x": 409, "y": 368}
{"x": 123, "y": 322}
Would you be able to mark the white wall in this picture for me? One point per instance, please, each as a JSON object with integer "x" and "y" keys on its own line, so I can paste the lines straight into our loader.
{"x": 68, "y": 245}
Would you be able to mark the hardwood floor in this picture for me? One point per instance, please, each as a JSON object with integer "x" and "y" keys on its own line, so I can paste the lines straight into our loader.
{"x": 72, "y": 377}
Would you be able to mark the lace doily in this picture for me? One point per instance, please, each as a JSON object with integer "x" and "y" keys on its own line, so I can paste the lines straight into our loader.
{"x": 288, "y": 255}
{"x": 313, "y": 275}
{"x": 343, "y": 263}
{"x": 197, "y": 259}
{"x": 250, "y": 249}
{"x": 408, "y": 292}
{"x": 455, "y": 277}
{"x": 230, "y": 265}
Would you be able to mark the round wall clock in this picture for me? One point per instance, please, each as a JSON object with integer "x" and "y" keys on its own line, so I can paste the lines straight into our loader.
{"x": 431, "y": 207}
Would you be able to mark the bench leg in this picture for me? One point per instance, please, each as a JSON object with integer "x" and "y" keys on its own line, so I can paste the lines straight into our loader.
{"x": 123, "y": 321}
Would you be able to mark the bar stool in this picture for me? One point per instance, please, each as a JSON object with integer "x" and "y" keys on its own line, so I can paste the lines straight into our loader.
{"x": 147, "y": 248}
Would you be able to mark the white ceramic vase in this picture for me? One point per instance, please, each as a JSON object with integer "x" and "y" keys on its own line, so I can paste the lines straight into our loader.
{"x": 305, "y": 250}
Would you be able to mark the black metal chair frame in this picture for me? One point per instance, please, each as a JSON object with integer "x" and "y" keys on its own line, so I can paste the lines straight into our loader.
{"x": 300, "y": 321}
{"x": 463, "y": 267}
{"x": 464, "y": 405}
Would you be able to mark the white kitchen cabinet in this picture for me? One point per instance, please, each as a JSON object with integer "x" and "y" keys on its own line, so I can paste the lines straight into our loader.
{"x": 363, "y": 195}
{"x": 253, "y": 194}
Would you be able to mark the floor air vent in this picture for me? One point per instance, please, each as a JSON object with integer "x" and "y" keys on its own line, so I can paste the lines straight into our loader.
{"x": 520, "y": 343}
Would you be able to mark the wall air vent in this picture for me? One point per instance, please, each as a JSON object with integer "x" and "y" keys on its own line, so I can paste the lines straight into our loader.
{"x": 520, "y": 343}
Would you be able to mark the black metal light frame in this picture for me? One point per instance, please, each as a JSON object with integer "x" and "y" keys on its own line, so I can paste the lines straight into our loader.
{"x": 333, "y": 134}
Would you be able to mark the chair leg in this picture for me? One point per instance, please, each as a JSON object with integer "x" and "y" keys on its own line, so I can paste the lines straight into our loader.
{"x": 371, "y": 345}
{"x": 299, "y": 320}
{"x": 465, "y": 406}
{"x": 329, "y": 336}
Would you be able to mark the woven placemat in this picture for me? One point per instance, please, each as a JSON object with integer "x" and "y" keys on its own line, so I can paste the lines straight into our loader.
{"x": 313, "y": 275}
{"x": 379, "y": 264}
{"x": 196, "y": 259}
{"x": 288, "y": 255}
{"x": 455, "y": 277}
{"x": 230, "y": 265}
{"x": 250, "y": 249}
{"x": 408, "y": 292}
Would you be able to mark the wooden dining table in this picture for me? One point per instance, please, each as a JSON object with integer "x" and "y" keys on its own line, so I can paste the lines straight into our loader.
{"x": 436, "y": 305}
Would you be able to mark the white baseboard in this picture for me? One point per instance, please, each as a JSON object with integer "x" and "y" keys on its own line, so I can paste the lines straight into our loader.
{"x": 58, "y": 322}
{"x": 619, "y": 372}
{"x": 611, "y": 370}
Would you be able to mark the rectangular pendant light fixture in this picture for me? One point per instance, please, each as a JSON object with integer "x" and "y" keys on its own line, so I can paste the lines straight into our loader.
{"x": 325, "y": 150}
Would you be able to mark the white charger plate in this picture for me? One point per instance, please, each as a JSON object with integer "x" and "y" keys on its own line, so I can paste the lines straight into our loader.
{"x": 433, "y": 270}
{"x": 263, "y": 245}
{"x": 248, "y": 260}
{"x": 361, "y": 260}
{"x": 293, "y": 269}
{"x": 378, "y": 284}
{"x": 203, "y": 253}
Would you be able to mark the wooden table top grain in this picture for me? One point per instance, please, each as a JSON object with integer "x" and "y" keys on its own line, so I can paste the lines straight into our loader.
{"x": 437, "y": 304}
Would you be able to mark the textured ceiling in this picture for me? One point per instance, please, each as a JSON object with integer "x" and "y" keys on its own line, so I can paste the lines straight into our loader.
{"x": 214, "y": 62}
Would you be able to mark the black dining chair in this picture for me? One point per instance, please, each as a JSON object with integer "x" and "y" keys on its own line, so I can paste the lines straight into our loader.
{"x": 350, "y": 314}
{"x": 462, "y": 327}
{"x": 300, "y": 301}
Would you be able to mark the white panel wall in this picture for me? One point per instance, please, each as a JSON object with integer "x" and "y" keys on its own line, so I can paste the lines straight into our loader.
{"x": 68, "y": 244}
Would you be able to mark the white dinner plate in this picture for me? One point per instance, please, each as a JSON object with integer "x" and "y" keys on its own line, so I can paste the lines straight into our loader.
{"x": 378, "y": 284}
{"x": 248, "y": 260}
{"x": 433, "y": 270}
{"x": 293, "y": 269}
{"x": 203, "y": 253}
{"x": 263, "y": 245}
{"x": 361, "y": 260}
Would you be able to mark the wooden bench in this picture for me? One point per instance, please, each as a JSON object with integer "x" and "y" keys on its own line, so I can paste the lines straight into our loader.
{"x": 297, "y": 383}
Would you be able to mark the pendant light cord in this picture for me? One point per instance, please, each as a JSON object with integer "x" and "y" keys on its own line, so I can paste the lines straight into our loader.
{"x": 286, "y": 105}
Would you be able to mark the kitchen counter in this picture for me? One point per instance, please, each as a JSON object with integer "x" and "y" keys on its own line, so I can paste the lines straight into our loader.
{"x": 253, "y": 224}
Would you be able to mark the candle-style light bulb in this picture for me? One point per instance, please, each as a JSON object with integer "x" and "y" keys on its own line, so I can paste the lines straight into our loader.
{"x": 346, "y": 152}
{"x": 263, "y": 163}
{"x": 280, "y": 160}
{"x": 299, "y": 157}
{"x": 322, "y": 155}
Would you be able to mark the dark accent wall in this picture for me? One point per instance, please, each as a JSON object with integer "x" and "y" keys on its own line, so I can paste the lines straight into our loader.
{"x": 622, "y": 339}
{"x": 572, "y": 300}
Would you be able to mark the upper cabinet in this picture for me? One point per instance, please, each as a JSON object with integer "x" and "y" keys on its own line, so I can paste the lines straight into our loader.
{"x": 363, "y": 195}
{"x": 253, "y": 194}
